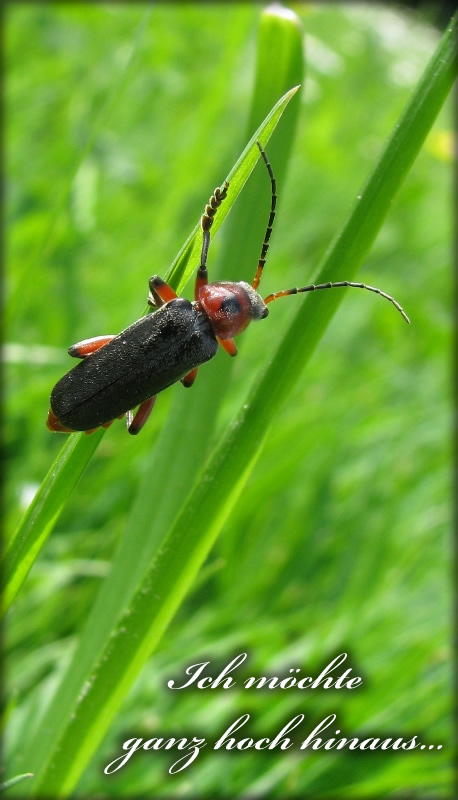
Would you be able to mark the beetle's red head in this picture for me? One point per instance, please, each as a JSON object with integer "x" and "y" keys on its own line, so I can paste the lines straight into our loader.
{"x": 231, "y": 306}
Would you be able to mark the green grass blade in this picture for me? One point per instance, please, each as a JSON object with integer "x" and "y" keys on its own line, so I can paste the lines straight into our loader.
{"x": 14, "y": 781}
{"x": 43, "y": 512}
{"x": 205, "y": 511}
{"x": 279, "y": 31}
{"x": 188, "y": 258}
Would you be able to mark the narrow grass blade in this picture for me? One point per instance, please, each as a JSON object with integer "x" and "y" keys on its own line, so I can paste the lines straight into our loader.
{"x": 188, "y": 258}
{"x": 43, "y": 512}
{"x": 14, "y": 781}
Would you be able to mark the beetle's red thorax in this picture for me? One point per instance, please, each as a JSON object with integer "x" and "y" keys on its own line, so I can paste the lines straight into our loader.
{"x": 230, "y": 307}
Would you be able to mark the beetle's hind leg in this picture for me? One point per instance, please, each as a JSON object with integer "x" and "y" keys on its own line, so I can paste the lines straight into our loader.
{"x": 135, "y": 424}
{"x": 189, "y": 379}
{"x": 88, "y": 346}
{"x": 159, "y": 292}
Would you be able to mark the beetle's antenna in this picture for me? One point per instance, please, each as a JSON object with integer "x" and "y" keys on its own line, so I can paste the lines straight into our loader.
{"x": 312, "y": 287}
{"x": 206, "y": 222}
{"x": 268, "y": 234}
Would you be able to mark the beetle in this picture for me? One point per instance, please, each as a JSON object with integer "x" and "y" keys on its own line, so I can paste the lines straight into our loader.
{"x": 119, "y": 373}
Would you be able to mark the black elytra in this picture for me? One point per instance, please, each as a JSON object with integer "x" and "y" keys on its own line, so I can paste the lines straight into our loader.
{"x": 123, "y": 372}
{"x": 152, "y": 354}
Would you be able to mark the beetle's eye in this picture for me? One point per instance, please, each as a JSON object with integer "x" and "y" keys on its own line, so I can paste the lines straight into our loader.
{"x": 230, "y": 305}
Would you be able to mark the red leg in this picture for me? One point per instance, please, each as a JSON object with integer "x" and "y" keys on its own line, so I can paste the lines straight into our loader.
{"x": 135, "y": 425}
{"x": 189, "y": 379}
{"x": 88, "y": 346}
{"x": 228, "y": 345}
{"x": 54, "y": 425}
{"x": 160, "y": 292}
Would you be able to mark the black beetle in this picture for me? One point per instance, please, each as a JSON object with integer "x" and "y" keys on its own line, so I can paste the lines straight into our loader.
{"x": 119, "y": 373}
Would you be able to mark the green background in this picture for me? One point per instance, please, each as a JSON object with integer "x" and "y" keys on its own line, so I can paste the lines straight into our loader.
{"x": 120, "y": 121}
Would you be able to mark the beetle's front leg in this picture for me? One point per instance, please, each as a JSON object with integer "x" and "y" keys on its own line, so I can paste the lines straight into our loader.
{"x": 160, "y": 292}
{"x": 88, "y": 346}
{"x": 228, "y": 345}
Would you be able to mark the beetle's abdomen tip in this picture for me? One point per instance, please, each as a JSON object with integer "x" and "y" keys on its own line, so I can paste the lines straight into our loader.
{"x": 54, "y": 425}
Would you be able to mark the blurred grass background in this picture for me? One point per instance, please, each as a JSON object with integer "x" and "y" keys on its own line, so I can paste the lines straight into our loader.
{"x": 120, "y": 121}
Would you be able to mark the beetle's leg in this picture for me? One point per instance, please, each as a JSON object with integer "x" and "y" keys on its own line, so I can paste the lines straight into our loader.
{"x": 206, "y": 222}
{"x": 88, "y": 346}
{"x": 189, "y": 379}
{"x": 228, "y": 345}
{"x": 135, "y": 425}
{"x": 160, "y": 292}
{"x": 54, "y": 425}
